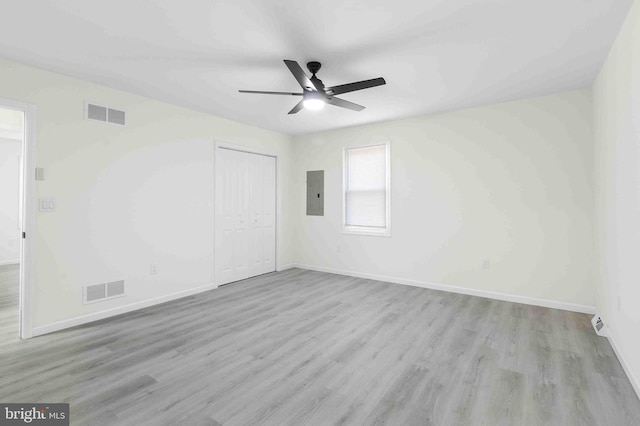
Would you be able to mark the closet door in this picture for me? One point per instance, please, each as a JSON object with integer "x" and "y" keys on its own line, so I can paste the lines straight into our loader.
{"x": 245, "y": 239}
{"x": 232, "y": 216}
{"x": 262, "y": 236}
{"x": 256, "y": 226}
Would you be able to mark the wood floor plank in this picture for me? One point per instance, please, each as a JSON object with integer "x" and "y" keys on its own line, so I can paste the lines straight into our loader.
{"x": 310, "y": 348}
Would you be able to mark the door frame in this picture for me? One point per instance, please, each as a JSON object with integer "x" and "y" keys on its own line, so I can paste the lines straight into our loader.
{"x": 27, "y": 204}
{"x": 249, "y": 150}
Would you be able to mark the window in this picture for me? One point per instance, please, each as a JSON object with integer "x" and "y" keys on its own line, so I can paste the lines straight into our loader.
{"x": 366, "y": 190}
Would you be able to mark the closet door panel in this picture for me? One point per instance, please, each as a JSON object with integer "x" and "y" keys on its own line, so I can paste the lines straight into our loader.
{"x": 256, "y": 204}
{"x": 224, "y": 229}
{"x": 241, "y": 216}
{"x": 269, "y": 214}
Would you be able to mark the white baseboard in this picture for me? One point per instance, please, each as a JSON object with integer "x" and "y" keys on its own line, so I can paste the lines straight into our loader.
{"x": 285, "y": 267}
{"x": 9, "y": 262}
{"x": 625, "y": 365}
{"x": 565, "y": 306}
{"x": 96, "y": 316}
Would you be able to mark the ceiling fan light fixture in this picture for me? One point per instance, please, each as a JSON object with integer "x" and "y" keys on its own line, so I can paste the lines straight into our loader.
{"x": 313, "y": 104}
{"x": 313, "y": 101}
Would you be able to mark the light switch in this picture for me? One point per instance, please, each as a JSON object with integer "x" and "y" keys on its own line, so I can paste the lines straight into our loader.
{"x": 47, "y": 204}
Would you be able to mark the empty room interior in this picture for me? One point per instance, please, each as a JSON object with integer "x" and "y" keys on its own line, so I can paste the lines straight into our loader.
{"x": 320, "y": 213}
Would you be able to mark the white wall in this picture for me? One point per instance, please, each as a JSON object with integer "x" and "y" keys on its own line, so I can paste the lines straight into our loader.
{"x": 10, "y": 151}
{"x": 126, "y": 196}
{"x": 511, "y": 183}
{"x": 11, "y": 131}
{"x": 616, "y": 100}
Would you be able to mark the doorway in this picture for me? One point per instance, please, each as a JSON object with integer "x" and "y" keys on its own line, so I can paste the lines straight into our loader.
{"x": 16, "y": 125}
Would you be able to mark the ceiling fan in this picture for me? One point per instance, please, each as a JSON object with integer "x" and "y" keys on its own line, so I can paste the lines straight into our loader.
{"x": 314, "y": 94}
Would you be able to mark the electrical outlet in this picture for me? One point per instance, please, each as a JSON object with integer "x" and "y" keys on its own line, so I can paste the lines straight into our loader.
{"x": 486, "y": 264}
{"x": 153, "y": 269}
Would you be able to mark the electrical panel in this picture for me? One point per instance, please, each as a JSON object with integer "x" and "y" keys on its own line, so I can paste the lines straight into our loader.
{"x": 315, "y": 193}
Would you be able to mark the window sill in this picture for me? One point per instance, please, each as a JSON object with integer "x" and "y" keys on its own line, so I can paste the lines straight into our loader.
{"x": 372, "y": 232}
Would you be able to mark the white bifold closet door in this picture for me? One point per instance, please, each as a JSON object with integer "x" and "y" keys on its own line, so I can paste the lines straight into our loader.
{"x": 245, "y": 219}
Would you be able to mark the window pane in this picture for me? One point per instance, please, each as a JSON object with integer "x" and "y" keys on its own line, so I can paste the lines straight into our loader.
{"x": 366, "y": 208}
{"x": 366, "y": 180}
{"x": 366, "y": 169}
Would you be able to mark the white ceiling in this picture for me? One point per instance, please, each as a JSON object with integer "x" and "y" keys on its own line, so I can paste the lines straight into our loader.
{"x": 435, "y": 55}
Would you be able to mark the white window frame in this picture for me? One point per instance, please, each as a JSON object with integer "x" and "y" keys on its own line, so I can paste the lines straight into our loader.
{"x": 367, "y": 230}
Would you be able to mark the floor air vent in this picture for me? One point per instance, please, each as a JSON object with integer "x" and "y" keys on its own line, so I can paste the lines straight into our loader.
{"x": 99, "y": 292}
{"x": 105, "y": 114}
{"x": 598, "y": 325}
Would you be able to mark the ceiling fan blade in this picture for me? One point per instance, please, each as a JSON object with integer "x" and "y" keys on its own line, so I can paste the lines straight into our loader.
{"x": 344, "y": 104}
{"x": 261, "y": 92}
{"x": 304, "y": 81}
{"x": 296, "y": 108}
{"x": 352, "y": 87}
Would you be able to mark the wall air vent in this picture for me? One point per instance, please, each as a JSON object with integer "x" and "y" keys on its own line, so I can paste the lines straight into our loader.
{"x": 115, "y": 288}
{"x": 94, "y": 293}
{"x": 105, "y": 291}
{"x": 116, "y": 116}
{"x": 96, "y": 112}
{"x": 105, "y": 114}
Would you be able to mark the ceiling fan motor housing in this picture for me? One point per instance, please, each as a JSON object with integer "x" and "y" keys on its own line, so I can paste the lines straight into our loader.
{"x": 314, "y": 67}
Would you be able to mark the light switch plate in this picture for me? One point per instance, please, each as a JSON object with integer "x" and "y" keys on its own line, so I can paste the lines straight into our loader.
{"x": 47, "y": 204}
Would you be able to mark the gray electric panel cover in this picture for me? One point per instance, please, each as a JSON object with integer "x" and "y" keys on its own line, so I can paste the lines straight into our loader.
{"x": 315, "y": 193}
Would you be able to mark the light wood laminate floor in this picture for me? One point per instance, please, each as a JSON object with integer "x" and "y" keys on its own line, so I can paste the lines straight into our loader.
{"x": 301, "y": 347}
